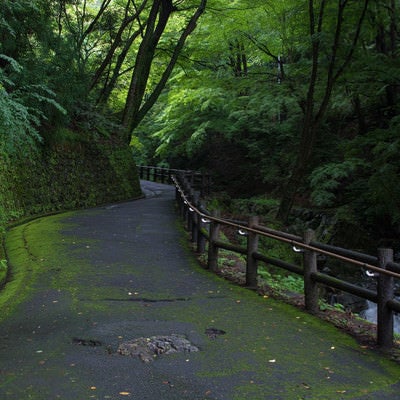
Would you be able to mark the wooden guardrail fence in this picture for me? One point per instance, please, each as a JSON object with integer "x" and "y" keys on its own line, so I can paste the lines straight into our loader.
{"x": 205, "y": 226}
{"x": 198, "y": 181}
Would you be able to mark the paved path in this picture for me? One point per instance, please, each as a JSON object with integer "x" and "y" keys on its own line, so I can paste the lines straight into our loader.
{"x": 101, "y": 277}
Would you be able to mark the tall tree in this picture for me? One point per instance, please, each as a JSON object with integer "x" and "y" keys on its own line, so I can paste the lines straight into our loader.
{"x": 315, "y": 107}
{"x": 118, "y": 44}
{"x": 136, "y": 107}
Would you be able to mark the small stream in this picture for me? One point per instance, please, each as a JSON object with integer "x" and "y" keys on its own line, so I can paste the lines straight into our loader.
{"x": 328, "y": 228}
{"x": 364, "y": 308}
{"x": 370, "y": 314}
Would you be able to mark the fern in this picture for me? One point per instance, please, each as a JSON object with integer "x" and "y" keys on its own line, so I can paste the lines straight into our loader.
{"x": 19, "y": 121}
{"x": 325, "y": 180}
{"x": 15, "y": 66}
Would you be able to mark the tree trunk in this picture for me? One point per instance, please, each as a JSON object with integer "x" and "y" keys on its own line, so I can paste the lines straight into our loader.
{"x": 116, "y": 43}
{"x": 110, "y": 83}
{"x": 135, "y": 108}
{"x": 313, "y": 118}
{"x": 156, "y": 23}
{"x": 309, "y": 129}
{"x": 300, "y": 170}
{"x": 145, "y": 108}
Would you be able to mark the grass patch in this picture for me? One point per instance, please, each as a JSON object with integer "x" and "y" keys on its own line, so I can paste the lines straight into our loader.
{"x": 3, "y": 271}
{"x": 26, "y": 246}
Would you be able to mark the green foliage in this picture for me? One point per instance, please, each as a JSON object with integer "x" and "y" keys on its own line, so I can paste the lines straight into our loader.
{"x": 378, "y": 187}
{"x": 236, "y": 103}
{"x": 254, "y": 206}
{"x": 3, "y": 271}
{"x": 282, "y": 283}
{"x": 193, "y": 112}
{"x": 324, "y": 306}
{"x": 19, "y": 122}
{"x": 231, "y": 93}
{"x": 327, "y": 179}
{"x": 366, "y": 181}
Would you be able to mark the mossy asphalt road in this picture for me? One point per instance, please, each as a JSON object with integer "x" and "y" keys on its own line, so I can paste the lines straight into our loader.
{"x": 86, "y": 281}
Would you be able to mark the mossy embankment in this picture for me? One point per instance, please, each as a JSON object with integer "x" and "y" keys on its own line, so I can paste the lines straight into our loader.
{"x": 69, "y": 171}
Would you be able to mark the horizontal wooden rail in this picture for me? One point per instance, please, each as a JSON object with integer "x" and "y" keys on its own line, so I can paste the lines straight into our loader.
{"x": 346, "y": 287}
{"x": 279, "y": 263}
{"x": 197, "y": 180}
{"x": 205, "y": 226}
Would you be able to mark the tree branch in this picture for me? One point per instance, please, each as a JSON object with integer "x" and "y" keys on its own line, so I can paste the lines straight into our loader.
{"x": 168, "y": 70}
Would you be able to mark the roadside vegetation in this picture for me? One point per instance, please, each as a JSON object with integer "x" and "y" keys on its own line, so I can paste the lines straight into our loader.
{"x": 292, "y": 107}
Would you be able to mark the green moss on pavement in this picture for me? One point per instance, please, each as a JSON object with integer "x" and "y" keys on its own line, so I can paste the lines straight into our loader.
{"x": 270, "y": 349}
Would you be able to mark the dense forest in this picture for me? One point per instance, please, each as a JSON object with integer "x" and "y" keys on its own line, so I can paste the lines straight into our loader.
{"x": 290, "y": 103}
{"x": 296, "y": 103}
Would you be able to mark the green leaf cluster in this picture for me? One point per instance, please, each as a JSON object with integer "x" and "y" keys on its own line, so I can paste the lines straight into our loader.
{"x": 237, "y": 105}
{"x": 282, "y": 283}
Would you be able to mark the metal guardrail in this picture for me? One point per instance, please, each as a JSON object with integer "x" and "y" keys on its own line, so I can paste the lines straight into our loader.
{"x": 197, "y": 218}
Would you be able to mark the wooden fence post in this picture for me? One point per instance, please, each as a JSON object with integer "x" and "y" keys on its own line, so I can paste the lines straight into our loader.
{"x": 182, "y": 205}
{"x": 212, "y": 263}
{"x": 195, "y": 217}
{"x": 184, "y": 209}
{"x": 252, "y": 247}
{"x": 385, "y": 293}
{"x": 189, "y": 214}
{"x": 201, "y": 240}
{"x": 310, "y": 267}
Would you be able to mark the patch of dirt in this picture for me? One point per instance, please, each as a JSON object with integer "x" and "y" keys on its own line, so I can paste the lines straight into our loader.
{"x": 147, "y": 349}
{"x": 213, "y": 333}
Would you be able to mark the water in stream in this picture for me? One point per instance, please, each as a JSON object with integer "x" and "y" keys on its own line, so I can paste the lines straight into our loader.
{"x": 364, "y": 308}
{"x": 370, "y": 314}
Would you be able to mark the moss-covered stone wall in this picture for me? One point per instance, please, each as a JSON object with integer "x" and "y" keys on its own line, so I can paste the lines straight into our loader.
{"x": 62, "y": 176}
